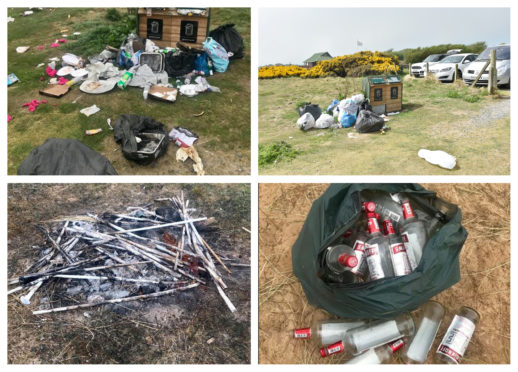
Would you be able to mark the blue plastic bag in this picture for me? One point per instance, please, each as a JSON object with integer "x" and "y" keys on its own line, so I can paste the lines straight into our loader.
{"x": 217, "y": 54}
{"x": 347, "y": 120}
{"x": 332, "y": 106}
{"x": 200, "y": 63}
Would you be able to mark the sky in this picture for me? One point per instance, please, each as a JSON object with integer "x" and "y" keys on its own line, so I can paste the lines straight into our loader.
{"x": 291, "y": 35}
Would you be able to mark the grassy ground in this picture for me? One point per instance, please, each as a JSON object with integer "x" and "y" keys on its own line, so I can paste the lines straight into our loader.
{"x": 484, "y": 267}
{"x": 466, "y": 123}
{"x": 224, "y": 129}
{"x": 169, "y": 329}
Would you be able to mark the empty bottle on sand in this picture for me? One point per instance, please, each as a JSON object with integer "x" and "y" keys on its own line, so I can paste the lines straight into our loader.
{"x": 413, "y": 233}
{"x": 372, "y": 335}
{"x": 337, "y": 264}
{"x": 398, "y": 254}
{"x": 457, "y": 337}
{"x": 432, "y": 314}
{"x": 325, "y": 332}
{"x": 379, "y": 355}
{"x": 377, "y": 253}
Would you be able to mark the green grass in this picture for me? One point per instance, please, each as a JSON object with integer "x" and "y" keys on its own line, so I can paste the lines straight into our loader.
{"x": 274, "y": 152}
{"x": 223, "y": 129}
{"x": 435, "y": 116}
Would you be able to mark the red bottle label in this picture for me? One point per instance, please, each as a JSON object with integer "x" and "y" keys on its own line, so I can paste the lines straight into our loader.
{"x": 388, "y": 227}
{"x": 396, "y": 345}
{"x": 302, "y": 333}
{"x": 335, "y": 348}
{"x": 443, "y": 349}
{"x": 408, "y": 212}
{"x": 373, "y": 225}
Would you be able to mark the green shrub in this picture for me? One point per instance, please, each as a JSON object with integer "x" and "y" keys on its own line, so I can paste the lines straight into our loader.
{"x": 471, "y": 98}
{"x": 453, "y": 94}
{"x": 113, "y": 15}
{"x": 274, "y": 152}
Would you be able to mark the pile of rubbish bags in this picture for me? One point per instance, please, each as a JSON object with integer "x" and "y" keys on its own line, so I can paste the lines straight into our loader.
{"x": 354, "y": 111}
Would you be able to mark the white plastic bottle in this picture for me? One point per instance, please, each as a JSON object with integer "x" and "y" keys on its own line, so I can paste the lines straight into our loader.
{"x": 457, "y": 337}
{"x": 438, "y": 157}
{"x": 326, "y": 332}
{"x": 379, "y": 355}
{"x": 432, "y": 314}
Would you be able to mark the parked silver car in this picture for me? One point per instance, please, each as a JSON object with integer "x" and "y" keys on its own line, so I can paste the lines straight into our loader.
{"x": 503, "y": 67}
{"x": 419, "y": 69}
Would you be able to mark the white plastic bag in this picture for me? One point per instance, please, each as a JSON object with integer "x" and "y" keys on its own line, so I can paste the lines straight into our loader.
{"x": 306, "y": 121}
{"x": 324, "y": 121}
{"x": 438, "y": 157}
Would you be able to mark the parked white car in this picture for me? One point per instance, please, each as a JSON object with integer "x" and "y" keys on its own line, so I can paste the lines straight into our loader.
{"x": 445, "y": 69}
{"x": 503, "y": 67}
{"x": 419, "y": 69}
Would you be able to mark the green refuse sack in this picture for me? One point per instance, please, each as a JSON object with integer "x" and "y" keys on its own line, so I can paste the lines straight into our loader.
{"x": 334, "y": 213}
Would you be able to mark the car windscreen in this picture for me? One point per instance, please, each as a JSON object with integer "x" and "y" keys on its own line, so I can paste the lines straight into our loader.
{"x": 433, "y": 58}
{"x": 502, "y": 52}
{"x": 452, "y": 59}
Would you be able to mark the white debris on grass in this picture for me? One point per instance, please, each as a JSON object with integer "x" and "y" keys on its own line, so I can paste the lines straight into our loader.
{"x": 88, "y": 111}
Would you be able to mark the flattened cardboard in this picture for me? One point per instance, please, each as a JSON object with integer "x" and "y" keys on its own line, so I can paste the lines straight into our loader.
{"x": 57, "y": 91}
{"x": 164, "y": 94}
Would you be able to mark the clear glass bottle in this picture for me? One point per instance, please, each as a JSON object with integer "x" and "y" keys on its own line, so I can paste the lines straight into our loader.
{"x": 413, "y": 233}
{"x": 337, "y": 264}
{"x": 357, "y": 241}
{"x": 431, "y": 317}
{"x": 386, "y": 204}
{"x": 379, "y": 355}
{"x": 457, "y": 337}
{"x": 372, "y": 335}
{"x": 398, "y": 255}
{"x": 377, "y": 251}
{"x": 326, "y": 332}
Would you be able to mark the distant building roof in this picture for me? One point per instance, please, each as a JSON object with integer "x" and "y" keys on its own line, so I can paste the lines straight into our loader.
{"x": 322, "y": 56}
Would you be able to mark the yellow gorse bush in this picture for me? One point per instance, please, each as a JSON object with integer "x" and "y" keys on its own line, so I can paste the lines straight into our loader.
{"x": 357, "y": 64}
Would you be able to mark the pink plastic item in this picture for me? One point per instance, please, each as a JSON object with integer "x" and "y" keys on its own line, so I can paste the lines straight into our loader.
{"x": 51, "y": 72}
{"x": 54, "y": 45}
{"x": 62, "y": 40}
{"x": 40, "y": 47}
{"x": 9, "y": 118}
{"x": 62, "y": 80}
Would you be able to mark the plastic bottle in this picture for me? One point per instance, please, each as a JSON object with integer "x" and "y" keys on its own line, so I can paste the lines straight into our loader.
{"x": 398, "y": 255}
{"x": 337, "y": 263}
{"x": 326, "y": 332}
{"x": 178, "y": 84}
{"x": 379, "y": 355}
{"x": 438, "y": 157}
{"x": 457, "y": 337}
{"x": 372, "y": 335}
{"x": 432, "y": 314}
{"x": 377, "y": 252}
{"x": 145, "y": 93}
{"x": 125, "y": 79}
{"x": 413, "y": 233}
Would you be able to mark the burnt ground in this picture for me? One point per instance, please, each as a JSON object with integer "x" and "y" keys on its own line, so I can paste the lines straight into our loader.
{"x": 169, "y": 329}
{"x": 484, "y": 265}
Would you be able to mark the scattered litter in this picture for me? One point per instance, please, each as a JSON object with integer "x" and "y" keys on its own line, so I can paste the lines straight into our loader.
{"x": 61, "y": 41}
{"x": 393, "y": 113}
{"x": 198, "y": 115}
{"x": 79, "y": 73}
{"x": 9, "y": 118}
{"x": 40, "y": 47}
{"x": 352, "y": 135}
{"x": 109, "y": 122}
{"x": 11, "y": 79}
{"x": 64, "y": 71}
{"x": 33, "y": 105}
{"x": 438, "y": 157}
{"x": 306, "y": 121}
{"x": 88, "y": 111}
{"x": 22, "y": 49}
{"x": 324, "y": 121}
{"x": 310, "y": 108}
{"x": 50, "y": 71}
{"x": 62, "y": 80}
{"x": 76, "y": 33}
{"x": 72, "y": 60}
{"x": 290, "y": 137}
{"x": 98, "y": 87}
{"x": 54, "y": 45}
{"x": 56, "y": 91}
{"x": 77, "y": 99}
{"x": 188, "y": 90}
{"x": 28, "y": 13}
{"x": 86, "y": 315}
{"x": 51, "y": 81}
{"x": 40, "y": 65}
{"x": 64, "y": 35}
{"x": 91, "y": 132}
{"x": 368, "y": 122}
{"x": 210, "y": 340}
{"x": 182, "y": 137}
{"x": 184, "y": 153}
{"x": 54, "y": 59}
{"x": 10, "y": 19}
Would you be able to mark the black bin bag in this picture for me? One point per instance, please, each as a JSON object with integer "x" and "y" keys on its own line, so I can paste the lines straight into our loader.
{"x": 335, "y": 212}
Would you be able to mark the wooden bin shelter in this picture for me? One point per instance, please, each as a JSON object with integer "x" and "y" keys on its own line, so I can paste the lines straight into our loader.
{"x": 167, "y": 26}
{"x": 385, "y": 93}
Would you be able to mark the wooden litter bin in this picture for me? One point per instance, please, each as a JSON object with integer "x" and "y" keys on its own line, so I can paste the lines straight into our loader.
{"x": 385, "y": 93}
{"x": 167, "y": 26}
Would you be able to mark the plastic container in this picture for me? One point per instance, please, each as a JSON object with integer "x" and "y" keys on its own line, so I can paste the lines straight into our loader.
{"x": 457, "y": 337}
{"x": 325, "y": 332}
{"x": 125, "y": 79}
{"x": 417, "y": 351}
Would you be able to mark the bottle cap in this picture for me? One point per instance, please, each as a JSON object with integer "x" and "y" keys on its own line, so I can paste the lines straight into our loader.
{"x": 388, "y": 228}
{"x": 348, "y": 260}
{"x": 348, "y": 233}
{"x": 303, "y": 333}
{"x": 408, "y": 212}
{"x": 396, "y": 345}
{"x": 370, "y": 207}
